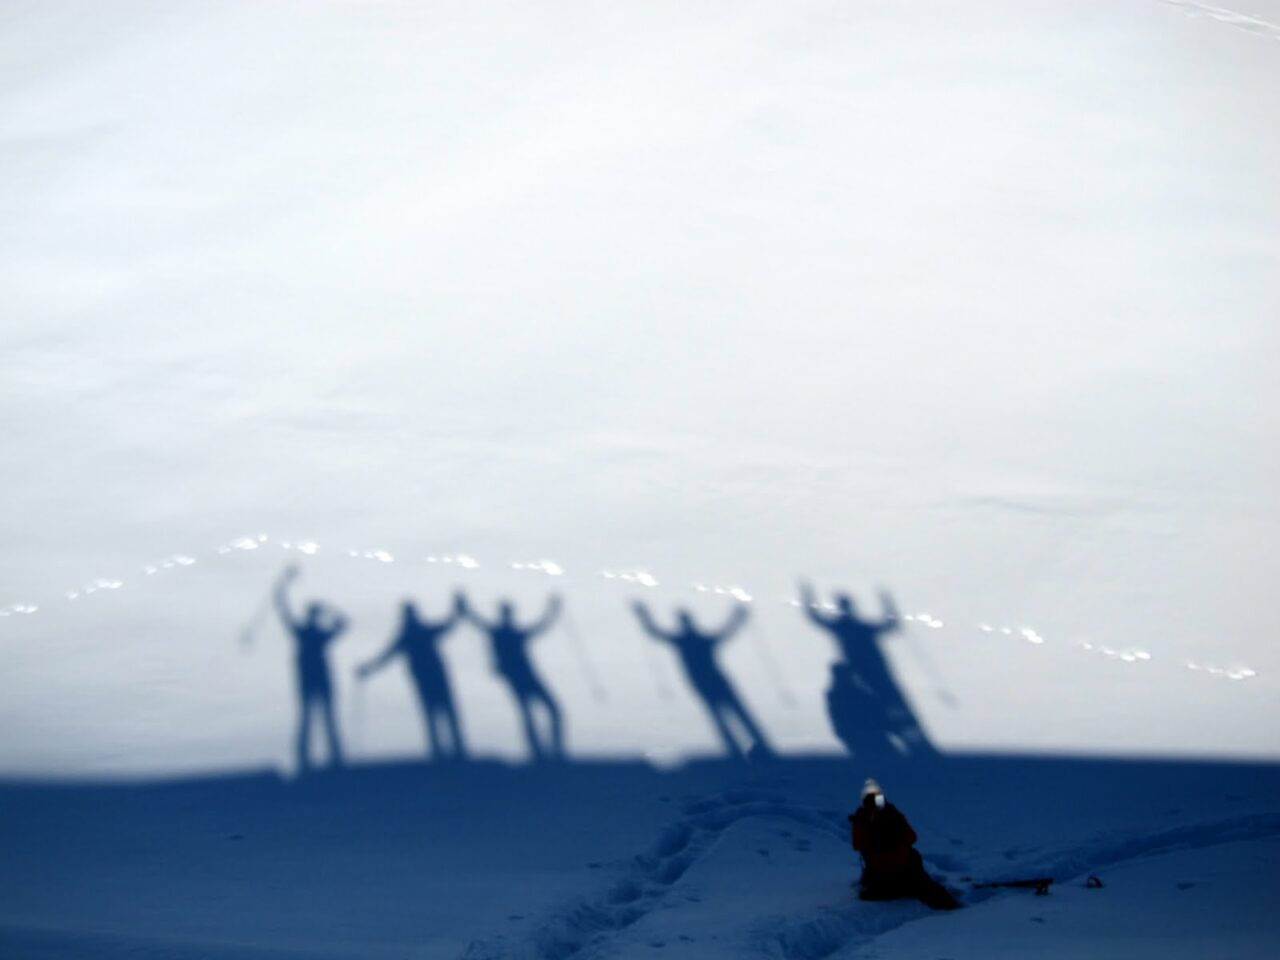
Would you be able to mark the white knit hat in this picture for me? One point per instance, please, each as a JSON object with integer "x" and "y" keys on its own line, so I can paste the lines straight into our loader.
{"x": 871, "y": 787}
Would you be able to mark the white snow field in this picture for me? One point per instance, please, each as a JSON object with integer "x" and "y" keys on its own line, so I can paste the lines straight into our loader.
{"x": 681, "y": 302}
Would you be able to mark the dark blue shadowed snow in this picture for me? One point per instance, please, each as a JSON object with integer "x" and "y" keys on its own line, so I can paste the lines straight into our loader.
{"x": 598, "y": 859}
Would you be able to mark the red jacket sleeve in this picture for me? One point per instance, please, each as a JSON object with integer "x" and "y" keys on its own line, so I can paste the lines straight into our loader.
{"x": 858, "y": 831}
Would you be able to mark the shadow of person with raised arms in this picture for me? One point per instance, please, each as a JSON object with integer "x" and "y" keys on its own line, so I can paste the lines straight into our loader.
{"x": 868, "y": 711}
{"x": 509, "y": 643}
{"x": 419, "y": 643}
{"x": 697, "y": 650}
{"x": 312, "y": 636}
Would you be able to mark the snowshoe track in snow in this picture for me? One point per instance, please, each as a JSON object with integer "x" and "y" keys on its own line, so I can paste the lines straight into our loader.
{"x": 1117, "y": 848}
{"x": 586, "y": 928}
{"x": 590, "y": 928}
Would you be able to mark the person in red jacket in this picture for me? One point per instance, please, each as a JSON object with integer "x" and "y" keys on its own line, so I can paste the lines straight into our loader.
{"x": 891, "y": 866}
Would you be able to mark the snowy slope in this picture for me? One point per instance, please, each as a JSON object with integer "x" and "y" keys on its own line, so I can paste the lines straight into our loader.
{"x": 972, "y": 303}
{"x": 619, "y": 860}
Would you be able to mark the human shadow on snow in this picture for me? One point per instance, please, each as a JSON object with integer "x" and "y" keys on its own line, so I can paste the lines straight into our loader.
{"x": 418, "y": 642}
{"x": 696, "y": 647}
{"x": 867, "y": 708}
{"x": 868, "y": 711}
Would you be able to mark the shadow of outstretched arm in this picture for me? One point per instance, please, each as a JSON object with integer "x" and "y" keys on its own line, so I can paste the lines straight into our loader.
{"x": 338, "y": 625}
{"x": 809, "y": 603}
{"x": 548, "y": 619}
{"x": 891, "y": 619}
{"x": 456, "y": 614}
{"x": 736, "y": 620}
{"x": 647, "y": 624}
{"x": 280, "y": 596}
{"x": 372, "y": 666}
{"x": 465, "y": 611}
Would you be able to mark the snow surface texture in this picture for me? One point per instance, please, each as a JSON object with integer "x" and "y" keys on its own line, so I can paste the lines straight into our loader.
{"x": 972, "y": 301}
{"x": 617, "y": 859}
{"x": 669, "y": 302}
